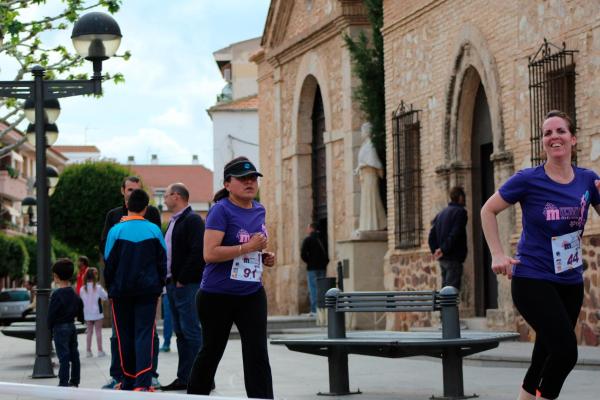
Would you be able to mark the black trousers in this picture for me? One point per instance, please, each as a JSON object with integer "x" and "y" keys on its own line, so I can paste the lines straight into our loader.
{"x": 133, "y": 319}
{"x": 217, "y": 313}
{"x": 551, "y": 309}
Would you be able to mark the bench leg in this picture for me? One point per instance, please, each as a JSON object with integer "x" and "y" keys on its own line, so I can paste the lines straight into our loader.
{"x": 453, "y": 376}
{"x": 339, "y": 381}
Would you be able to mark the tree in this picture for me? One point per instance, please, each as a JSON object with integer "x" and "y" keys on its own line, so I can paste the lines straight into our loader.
{"x": 14, "y": 256}
{"x": 83, "y": 196}
{"x": 20, "y": 40}
{"x": 367, "y": 64}
{"x": 57, "y": 250}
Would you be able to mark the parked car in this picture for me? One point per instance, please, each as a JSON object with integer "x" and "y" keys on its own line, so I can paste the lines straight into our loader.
{"x": 13, "y": 302}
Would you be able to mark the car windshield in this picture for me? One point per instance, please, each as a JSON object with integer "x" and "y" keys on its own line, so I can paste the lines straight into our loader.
{"x": 14, "y": 295}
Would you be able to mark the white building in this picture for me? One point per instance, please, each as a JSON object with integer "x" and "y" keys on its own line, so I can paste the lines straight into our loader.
{"x": 78, "y": 154}
{"x": 235, "y": 116}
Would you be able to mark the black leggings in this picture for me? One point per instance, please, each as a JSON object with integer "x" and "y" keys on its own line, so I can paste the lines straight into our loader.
{"x": 551, "y": 309}
{"x": 217, "y": 312}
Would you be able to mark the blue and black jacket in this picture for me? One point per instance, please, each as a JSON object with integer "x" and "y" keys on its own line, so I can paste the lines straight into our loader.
{"x": 135, "y": 259}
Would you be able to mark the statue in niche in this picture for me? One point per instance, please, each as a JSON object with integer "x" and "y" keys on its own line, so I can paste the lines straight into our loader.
{"x": 370, "y": 170}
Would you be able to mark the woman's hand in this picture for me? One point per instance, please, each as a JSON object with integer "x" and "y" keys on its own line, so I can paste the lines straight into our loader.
{"x": 256, "y": 243}
{"x": 502, "y": 264}
{"x": 268, "y": 259}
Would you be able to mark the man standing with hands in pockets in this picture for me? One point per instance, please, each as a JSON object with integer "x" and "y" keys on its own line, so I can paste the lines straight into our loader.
{"x": 185, "y": 264}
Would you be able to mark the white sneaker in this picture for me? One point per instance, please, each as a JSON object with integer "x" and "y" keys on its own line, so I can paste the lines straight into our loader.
{"x": 89, "y": 354}
{"x": 101, "y": 354}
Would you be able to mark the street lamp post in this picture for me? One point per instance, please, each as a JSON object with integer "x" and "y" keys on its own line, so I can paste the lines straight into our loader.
{"x": 96, "y": 37}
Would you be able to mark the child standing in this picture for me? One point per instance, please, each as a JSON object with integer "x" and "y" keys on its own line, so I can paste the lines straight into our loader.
{"x": 64, "y": 307}
{"x": 92, "y": 294}
{"x": 136, "y": 269}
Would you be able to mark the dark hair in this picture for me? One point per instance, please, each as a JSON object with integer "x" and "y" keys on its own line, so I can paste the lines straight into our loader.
{"x": 180, "y": 189}
{"x": 133, "y": 179}
{"x": 63, "y": 268}
{"x": 563, "y": 115}
{"x": 314, "y": 226}
{"x": 138, "y": 200}
{"x": 456, "y": 193}
{"x": 223, "y": 193}
{"x": 84, "y": 260}
{"x": 90, "y": 275}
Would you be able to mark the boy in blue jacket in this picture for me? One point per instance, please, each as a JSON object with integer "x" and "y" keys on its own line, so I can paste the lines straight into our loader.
{"x": 135, "y": 273}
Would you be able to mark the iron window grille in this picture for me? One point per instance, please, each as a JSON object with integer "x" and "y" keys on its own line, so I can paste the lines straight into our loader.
{"x": 407, "y": 176}
{"x": 551, "y": 87}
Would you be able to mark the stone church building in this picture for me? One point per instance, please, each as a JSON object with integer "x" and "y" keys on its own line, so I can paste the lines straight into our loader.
{"x": 467, "y": 85}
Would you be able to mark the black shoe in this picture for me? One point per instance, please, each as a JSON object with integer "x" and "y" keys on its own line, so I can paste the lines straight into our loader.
{"x": 175, "y": 385}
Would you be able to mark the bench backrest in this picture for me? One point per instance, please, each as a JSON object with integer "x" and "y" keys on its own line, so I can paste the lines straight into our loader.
{"x": 385, "y": 301}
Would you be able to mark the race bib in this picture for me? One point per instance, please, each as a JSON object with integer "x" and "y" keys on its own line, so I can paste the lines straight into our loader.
{"x": 566, "y": 250}
{"x": 247, "y": 267}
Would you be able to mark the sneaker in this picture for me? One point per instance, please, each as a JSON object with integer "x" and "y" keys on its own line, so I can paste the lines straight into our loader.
{"x": 143, "y": 389}
{"x": 112, "y": 384}
{"x": 165, "y": 349}
{"x": 101, "y": 354}
{"x": 155, "y": 384}
{"x": 175, "y": 385}
{"x": 89, "y": 354}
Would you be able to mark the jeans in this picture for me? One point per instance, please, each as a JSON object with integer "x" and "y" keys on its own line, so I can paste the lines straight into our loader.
{"x": 167, "y": 321}
{"x": 451, "y": 273}
{"x": 65, "y": 343}
{"x": 312, "y": 277}
{"x": 185, "y": 325}
{"x": 218, "y": 312}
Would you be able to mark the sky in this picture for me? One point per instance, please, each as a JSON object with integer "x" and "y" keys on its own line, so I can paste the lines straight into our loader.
{"x": 170, "y": 80}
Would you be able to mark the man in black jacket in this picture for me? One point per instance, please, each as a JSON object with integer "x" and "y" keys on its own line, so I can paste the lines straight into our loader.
{"x": 448, "y": 238}
{"x": 185, "y": 265}
{"x": 313, "y": 253}
{"x": 113, "y": 217}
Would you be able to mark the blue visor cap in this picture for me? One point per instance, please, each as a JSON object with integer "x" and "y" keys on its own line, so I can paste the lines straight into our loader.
{"x": 240, "y": 169}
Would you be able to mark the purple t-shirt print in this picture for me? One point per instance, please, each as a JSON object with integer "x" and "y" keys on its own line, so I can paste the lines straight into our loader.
{"x": 238, "y": 225}
{"x": 549, "y": 209}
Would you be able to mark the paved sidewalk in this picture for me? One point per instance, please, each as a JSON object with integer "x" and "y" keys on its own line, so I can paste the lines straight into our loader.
{"x": 301, "y": 376}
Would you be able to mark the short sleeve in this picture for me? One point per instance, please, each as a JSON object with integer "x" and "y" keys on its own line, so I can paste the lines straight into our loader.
{"x": 513, "y": 189}
{"x": 217, "y": 218}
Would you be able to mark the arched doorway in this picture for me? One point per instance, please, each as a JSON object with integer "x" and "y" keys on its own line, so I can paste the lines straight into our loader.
{"x": 319, "y": 167}
{"x": 482, "y": 186}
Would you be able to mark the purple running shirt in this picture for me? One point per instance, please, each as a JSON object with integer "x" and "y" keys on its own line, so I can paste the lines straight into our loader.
{"x": 238, "y": 224}
{"x": 553, "y": 218}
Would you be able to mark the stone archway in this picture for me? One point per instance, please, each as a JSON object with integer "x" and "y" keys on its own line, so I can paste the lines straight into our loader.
{"x": 310, "y": 78}
{"x": 473, "y": 72}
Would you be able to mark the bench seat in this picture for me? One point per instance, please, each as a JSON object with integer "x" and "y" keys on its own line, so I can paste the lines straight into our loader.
{"x": 26, "y": 330}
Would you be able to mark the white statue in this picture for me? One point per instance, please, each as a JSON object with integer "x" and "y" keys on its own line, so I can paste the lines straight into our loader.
{"x": 370, "y": 170}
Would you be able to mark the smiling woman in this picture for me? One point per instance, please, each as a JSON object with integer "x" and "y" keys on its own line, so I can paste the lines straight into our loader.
{"x": 546, "y": 272}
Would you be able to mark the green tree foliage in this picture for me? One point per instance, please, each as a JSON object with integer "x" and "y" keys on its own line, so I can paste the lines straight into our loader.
{"x": 31, "y": 245}
{"x": 83, "y": 196}
{"x": 367, "y": 63}
{"x": 14, "y": 256}
{"x": 21, "y": 41}
{"x": 57, "y": 250}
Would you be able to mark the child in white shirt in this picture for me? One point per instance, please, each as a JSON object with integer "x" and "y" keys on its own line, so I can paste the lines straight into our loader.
{"x": 92, "y": 294}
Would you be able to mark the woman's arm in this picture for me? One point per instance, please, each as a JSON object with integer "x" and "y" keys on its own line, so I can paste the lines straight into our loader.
{"x": 214, "y": 252}
{"x": 501, "y": 263}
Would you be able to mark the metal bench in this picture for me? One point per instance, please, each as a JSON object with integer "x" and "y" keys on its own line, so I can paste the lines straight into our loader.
{"x": 449, "y": 344}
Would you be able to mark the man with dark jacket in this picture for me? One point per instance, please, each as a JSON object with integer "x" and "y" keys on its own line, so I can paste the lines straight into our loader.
{"x": 185, "y": 264}
{"x": 313, "y": 253}
{"x": 135, "y": 274}
{"x": 448, "y": 238}
{"x": 113, "y": 217}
